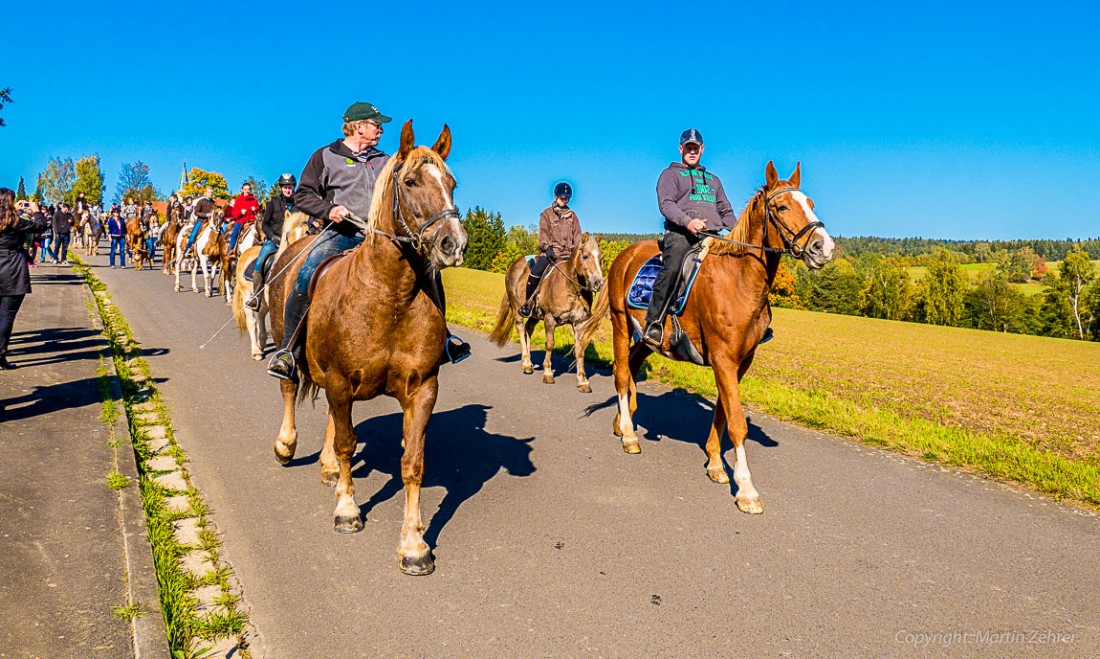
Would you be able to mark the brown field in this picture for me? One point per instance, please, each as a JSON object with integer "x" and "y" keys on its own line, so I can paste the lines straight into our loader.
{"x": 1014, "y": 407}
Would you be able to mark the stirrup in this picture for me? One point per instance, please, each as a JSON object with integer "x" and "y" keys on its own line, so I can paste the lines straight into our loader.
{"x": 526, "y": 310}
{"x": 654, "y": 334}
{"x": 282, "y": 365}
{"x": 252, "y": 302}
{"x": 768, "y": 335}
{"x": 455, "y": 349}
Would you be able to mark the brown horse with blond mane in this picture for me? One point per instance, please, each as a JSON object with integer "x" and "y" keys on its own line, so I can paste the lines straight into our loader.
{"x": 565, "y": 297}
{"x": 725, "y": 316}
{"x": 375, "y": 327}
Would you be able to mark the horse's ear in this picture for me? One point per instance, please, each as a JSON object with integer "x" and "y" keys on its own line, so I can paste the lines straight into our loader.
{"x": 407, "y": 139}
{"x": 771, "y": 176}
{"x": 796, "y": 177}
{"x": 442, "y": 146}
{"x": 584, "y": 238}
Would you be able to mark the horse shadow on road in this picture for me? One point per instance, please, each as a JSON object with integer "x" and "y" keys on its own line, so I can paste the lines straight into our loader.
{"x": 460, "y": 456}
{"x": 681, "y": 416}
{"x": 46, "y": 399}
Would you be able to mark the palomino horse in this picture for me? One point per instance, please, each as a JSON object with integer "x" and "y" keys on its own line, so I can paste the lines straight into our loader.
{"x": 135, "y": 243}
{"x": 93, "y": 231}
{"x": 254, "y": 323}
{"x": 207, "y": 236}
{"x": 226, "y": 259}
{"x": 168, "y": 237}
{"x": 726, "y": 315}
{"x": 375, "y": 327}
{"x": 564, "y": 298}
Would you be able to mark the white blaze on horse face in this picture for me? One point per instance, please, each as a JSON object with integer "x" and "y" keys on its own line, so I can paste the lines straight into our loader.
{"x": 827, "y": 244}
{"x": 438, "y": 176}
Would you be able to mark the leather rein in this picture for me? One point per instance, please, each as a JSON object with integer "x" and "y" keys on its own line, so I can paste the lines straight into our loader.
{"x": 789, "y": 236}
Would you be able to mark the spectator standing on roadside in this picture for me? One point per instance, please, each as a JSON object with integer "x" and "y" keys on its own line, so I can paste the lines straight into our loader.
{"x": 16, "y": 220}
{"x": 62, "y": 232}
{"x": 116, "y": 231}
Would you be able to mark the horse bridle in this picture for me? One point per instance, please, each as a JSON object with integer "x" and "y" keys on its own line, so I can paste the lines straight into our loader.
{"x": 789, "y": 236}
{"x": 414, "y": 238}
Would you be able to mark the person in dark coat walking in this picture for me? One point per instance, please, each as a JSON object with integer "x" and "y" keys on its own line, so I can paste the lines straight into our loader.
{"x": 62, "y": 232}
{"x": 116, "y": 231}
{"x": 16, "y": 220}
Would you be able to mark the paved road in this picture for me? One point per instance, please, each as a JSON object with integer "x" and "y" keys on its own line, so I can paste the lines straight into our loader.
{"x": 550, "y": 541}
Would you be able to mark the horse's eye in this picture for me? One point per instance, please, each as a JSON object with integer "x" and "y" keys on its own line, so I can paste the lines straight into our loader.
{"x": 781, "y": 208}
{"x": 411, "y": 182}
{"x": 585, "y": 257}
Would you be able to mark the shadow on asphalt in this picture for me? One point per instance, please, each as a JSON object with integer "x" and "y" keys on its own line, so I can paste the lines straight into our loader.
{"x": 460, "y": 457}
{"x": 51, "y": 398}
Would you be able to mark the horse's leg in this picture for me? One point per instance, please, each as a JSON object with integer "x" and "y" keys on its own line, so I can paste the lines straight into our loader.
{"x": 287, "y": 439}
{"x": 346, "y": 517}
{"x": 179, "y": 267}
{"x": 547, "y": 364}
{"x": 729, "y": 392}
{"x": 330, "y": 469}
{"x": 715, "y": 469}
{"x": 194, "y": 272}
{"x": 524, "y": 333}
{"x": 624, "y": 384}
{"x": 414, "y": 555}
{"x": 578, "y": 355}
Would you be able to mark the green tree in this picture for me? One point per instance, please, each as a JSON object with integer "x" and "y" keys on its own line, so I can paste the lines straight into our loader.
{"x": 1092, "y": 304}
{"x": 995, "y": 305}
{"x": 981, "y": 252}
{"x": 610, "y": 250}
{"x": 57, "y": 180}
{"x": 835, "y": 288}
{"x": 21, "y": 191}
{"x": 943, "y": 290}
{"x": 135, "y": 183}
{"x": 89, "y": 180}
{"x": 1076, "y": 272}
{"x": 1055, "y": 312}
{"x": 1019, "y": 265}
{"x": 198, "y": 179}
{"x": 39, "y": 196}
{"x": 5, "y": 99}
{"x": 259, "y": 189}
{"x": 485, "y": 236}
{"x": 887, "y": 290}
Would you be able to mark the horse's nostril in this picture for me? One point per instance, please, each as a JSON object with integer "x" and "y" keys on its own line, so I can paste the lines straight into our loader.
{"x": 447, "y": 245}
{"x": 816, "y": 247}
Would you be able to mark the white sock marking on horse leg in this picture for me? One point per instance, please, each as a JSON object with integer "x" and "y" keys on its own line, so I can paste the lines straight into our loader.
{"x": 626, "y": 424}
{"x": 742, "y": 477}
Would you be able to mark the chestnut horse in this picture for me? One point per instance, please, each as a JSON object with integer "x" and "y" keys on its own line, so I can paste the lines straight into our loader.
{"x": 168, "y": 237}
{"x": 726, "y": 315}
{"x": 375, "y": 327}
{"x": 565, "y": 297}
{"x": 135, "y": 243}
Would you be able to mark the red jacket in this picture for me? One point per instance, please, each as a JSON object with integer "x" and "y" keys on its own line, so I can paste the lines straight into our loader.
{"x": 244, "y": 209}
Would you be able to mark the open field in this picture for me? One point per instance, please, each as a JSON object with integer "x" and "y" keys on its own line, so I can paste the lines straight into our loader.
{"x": 978, "y": 270}
{"x": 1011, "y": 407}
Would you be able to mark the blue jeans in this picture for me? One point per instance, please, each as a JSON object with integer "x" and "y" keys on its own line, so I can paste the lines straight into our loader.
{"x": 297, "y": 303}
{"x": 233, "y": 236}
{"x": 151, "y": 245}
{"x": 118, "y": 243}
{"x": 61, "y": 246}
{"x": 267, "y": 250}
{"x": 194, "y": 234}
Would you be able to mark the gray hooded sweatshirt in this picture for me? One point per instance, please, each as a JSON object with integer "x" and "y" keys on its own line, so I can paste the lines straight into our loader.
{"x": 683, "y": 195}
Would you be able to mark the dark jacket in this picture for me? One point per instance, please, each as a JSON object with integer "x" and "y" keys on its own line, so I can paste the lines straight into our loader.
{"x": 204, "y": 207}
{"x": 559, "y": 228}
{"x": 274, "y": 214}
{"x": 116, "y": 227}
{"x": 62, "y": 223}
{"x": 15, "y": 277}
{"x": 683, "y": 195}
{"x": 334, "y": 176}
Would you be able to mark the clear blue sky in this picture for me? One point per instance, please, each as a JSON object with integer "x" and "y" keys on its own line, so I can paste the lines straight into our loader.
{"x": 959, "y": 119}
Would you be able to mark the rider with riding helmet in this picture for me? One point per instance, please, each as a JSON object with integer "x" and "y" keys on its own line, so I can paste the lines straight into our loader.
{"x": 559, "y": 235}
{"x": 274, "y": 214}
{"x": 338, "y": 182}
{"x": 691, "y": 200}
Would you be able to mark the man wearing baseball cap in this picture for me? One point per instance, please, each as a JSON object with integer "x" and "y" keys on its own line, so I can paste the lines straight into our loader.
{"x": 692, "y": 200}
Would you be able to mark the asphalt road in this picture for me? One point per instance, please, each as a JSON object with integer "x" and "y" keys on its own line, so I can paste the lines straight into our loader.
{"x": 550, "y": 541}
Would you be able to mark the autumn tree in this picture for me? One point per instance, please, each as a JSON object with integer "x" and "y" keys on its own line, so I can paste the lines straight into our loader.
{"x": 782, "y": 293}
{"x": 135, "y": 183}
{"x": 89, "y": 180}
{"x": 943, "y": 290}
{"x": 57, "y": 180}
{"x": 1076, "y": 272}
{"x": 198, "y": 179}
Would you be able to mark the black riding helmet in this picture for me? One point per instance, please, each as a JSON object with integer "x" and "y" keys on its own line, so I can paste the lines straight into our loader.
{"x": 563, "y": 190}
{"x": 287, "y": 179}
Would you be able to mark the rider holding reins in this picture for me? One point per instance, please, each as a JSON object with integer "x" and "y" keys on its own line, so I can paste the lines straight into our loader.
{"x": 559, "y": 235}
{"x": 242, "y": 211}
{"x": 274, "y": 214}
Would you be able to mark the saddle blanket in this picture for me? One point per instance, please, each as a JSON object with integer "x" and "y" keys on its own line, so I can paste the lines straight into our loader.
{"x": 641, "y": 289}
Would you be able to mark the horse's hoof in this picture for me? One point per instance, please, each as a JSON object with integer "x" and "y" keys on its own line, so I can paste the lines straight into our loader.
{"x": 283, "y": 453}
{"x": 330, "y": 478}
{"x": 418, "y": 566}
{"x": 631, "y": 446}
{"x": 528, "y": 370}
{"x": 178, "y": 289}
{"x": 718, "y": 475}
{"x": 751, "y": 506}
{"x": 584, "y": 388}
{"x": 349, "y": 524}
{"x": 547, "y": 378}
{"x": 257, "y": 357}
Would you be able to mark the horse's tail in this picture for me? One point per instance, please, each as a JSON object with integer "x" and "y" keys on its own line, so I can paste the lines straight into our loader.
{"x": 599, "y": 311}
{"x": 239, "y": 295}
{"x": 506, "y": 320}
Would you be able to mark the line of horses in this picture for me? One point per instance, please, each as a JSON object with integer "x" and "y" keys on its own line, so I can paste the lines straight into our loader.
{"x": 384, "y": 295}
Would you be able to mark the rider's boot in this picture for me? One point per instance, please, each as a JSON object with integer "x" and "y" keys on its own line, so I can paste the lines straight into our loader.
{"x": 654, "y": 331}
{"x": 283, "y": 364}
{"x": 528, "y": 306}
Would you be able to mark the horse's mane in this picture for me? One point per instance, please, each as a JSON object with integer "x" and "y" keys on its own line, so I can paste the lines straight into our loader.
{"x": 740, "y": 231}
{"x": 292, "y": 222}
{"x": 381, "y": 204}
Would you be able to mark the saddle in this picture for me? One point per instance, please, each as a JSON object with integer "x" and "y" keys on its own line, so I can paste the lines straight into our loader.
{"x": 641, "y": 289}
{"x": 323, "y": 268}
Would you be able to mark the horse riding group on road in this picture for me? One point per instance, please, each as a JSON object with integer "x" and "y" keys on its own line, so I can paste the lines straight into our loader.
{"x": 347, "y": 267}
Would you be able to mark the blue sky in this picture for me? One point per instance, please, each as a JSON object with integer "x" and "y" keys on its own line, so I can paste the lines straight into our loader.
{"x": 966, "y": 120}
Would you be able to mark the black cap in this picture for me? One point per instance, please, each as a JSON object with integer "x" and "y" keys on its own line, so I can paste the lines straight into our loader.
{"x": 691, "y": 135}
